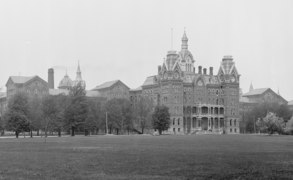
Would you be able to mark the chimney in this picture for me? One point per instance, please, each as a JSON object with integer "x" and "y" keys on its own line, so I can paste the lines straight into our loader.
{"x": 204, "y": 70}
{"x": 199, "y": 69}
{"x": 159, "y": 69}
{"x": 51, "y": 78}
{"x": 211, "y": 71}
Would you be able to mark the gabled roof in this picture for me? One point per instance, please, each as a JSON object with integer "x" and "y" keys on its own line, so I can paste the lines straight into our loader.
{"x": 21, "y": 79}
{"x": 108, "y": 85}
{"x": 256, "y": 92}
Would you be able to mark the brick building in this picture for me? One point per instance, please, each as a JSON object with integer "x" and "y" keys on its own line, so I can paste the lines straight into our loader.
{"x": 198, "y": 101}
{"x": 113, "y": 89}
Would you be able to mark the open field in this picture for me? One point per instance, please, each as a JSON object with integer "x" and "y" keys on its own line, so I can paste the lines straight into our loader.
{"x": 148, "y": 157}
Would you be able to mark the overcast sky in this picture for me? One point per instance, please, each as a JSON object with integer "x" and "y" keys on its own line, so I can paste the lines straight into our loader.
{"x": 128, "y": 39}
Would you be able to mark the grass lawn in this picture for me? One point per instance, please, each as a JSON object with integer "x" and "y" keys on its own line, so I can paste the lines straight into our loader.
{"x": 148, "y": 157}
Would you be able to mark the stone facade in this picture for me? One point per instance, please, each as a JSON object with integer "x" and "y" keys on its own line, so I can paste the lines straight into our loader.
{"x": 197, "y": 101}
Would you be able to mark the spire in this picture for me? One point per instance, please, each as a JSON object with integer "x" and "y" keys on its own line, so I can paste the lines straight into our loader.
{"x": 184, "y": 44}
{"x": 251, "y": 87}
{"x": 78, "y": 73}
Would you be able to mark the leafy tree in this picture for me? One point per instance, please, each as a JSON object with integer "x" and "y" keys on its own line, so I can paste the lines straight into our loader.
{"x": 261, "y": 111}
{"x": 127, "y": 115}
{"x": 50, "y": 112}
{"x": 62, "y": 102}
{"x": 161, "y": 118}
{"x": 35, "y": 113}
{"x": 119, "y": 114}
{"x": 96, "y": 116}
{"x": 271, "y": 124}
{"x": 77, "y": 111}
{"x": 17, "y": 114}
{"x": 142, "y": 113}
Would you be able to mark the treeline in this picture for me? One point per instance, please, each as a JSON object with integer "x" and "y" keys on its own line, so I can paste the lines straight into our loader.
{"x": 267, "y": 117}
{"x": 77, "y": 113}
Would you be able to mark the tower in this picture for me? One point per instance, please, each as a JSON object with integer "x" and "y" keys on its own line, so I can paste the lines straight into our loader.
{"x": 184, "y": 45}
{"x": 51, "y": 78}
{"x": 78, "y": 78}
{"x": 251, "y": 87}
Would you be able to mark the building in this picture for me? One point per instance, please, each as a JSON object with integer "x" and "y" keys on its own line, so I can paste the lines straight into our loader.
{"x": 66, "y": 84}
{"x": 197, "y": 101}
{"x": 135, "y": 95}
{"x": 262, "y": 95}
{"x": 113, "y": 89}
{"x": 3, "y": 103}
{"x": 33, "y": 85}
{"x": 290, "y": 105}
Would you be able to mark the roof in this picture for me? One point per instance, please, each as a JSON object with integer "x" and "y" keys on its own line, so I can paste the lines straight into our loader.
{"x": 3, "y": 95}
{"x": 58, "y": 91}
{"x": 256, "y": 92}
{"x": 21, "y": 79}
{"x": 55, "y": 92}
{"x": 106, "y": 85}
{"x": 149, "y": 81}
{"x": 136, "y": 89}
{"x": 290, "y": 103}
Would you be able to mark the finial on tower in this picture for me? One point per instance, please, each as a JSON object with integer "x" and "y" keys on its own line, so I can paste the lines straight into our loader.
{"x": 184, "y": 44}
{"x": 171, "y": 38}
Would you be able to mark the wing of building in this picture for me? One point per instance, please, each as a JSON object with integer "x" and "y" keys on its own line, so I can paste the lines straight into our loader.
{"x": 113, "y": 89}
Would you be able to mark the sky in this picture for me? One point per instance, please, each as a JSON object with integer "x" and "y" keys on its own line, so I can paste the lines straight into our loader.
{"x": 128, "y": 39}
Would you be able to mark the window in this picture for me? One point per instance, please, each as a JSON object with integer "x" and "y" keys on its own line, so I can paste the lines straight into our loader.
{"x": 235, "y": 130}
{"x": 178, "y": 129}
{"x": 230, "y": 130}
{"x": 173, "y": 121}
{"x": 234, "y": 122}
{"x": 173, "y": 129}
{"x": 178, "y": 121}
{"x": 230, "y": 122}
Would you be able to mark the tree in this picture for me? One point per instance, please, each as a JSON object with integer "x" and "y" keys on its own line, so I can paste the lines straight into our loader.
{"x": 62, "y": 102}
{"x": 261, "y": 111}
{"x": 161, "y": 118}
{"x": 35, "y": 113}
{"x": 271, "y": 124}
{"x": 119, "y": 114}
{"x": 142, "y": 113}
{"x": 50, "y": 113}
{"x": 77, "y": 111}
{"x": 17, "y": 114}
{"x": 95, "y": 119}
{"x": 289, "y": 126}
